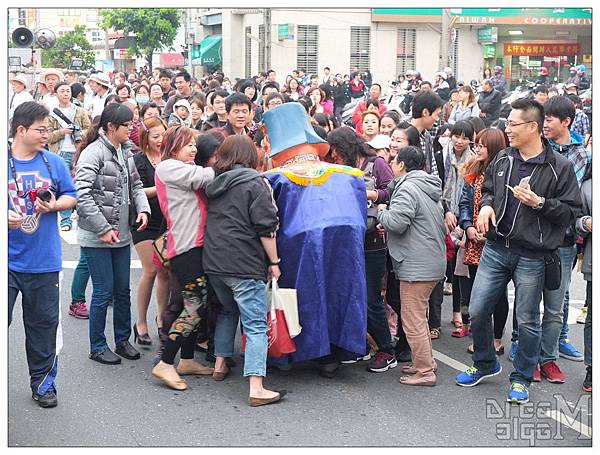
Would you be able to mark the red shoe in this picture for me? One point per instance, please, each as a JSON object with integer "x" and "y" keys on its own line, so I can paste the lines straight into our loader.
{"x": 461, "y": 332}
{"x": 79, "y": 310}
{"x": 552, "y": 372}
{"x": 537, "y": 376}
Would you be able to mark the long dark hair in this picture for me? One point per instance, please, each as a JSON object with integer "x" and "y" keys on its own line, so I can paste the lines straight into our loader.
{"x": 117, "y": 114}
{"x": 349, "y": 144}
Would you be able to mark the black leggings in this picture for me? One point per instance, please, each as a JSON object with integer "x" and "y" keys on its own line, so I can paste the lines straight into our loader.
{"x": 182, "y": 330}
{"x": 500, "y": 310}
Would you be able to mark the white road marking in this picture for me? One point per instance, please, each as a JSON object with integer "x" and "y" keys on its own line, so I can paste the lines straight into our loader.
{"x": 573, "y": 424}
{"x": 135, "y": 264}
{"x": 449, "y": 361}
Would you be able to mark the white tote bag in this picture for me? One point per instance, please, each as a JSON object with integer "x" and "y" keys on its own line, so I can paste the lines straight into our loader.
{"x": 287, "y": 300}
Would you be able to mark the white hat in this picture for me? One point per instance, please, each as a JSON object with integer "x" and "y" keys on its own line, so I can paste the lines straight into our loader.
{"x": 20, "y": 78}
{"x": 570, "y": 85}
{"x": 182, "y": 102}
{"x": 381, "y": 141}
{"x": 100, "y": 78}
{"x": 57, "y": 73}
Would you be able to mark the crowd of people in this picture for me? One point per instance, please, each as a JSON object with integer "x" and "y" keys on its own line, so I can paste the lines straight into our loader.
{"x": 223, "y": 185}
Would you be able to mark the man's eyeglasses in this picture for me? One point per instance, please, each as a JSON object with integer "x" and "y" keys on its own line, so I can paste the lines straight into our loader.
{"x": 512, "y": 124}
{"x": 128, "y": 125}
{"x": 42, "y": 131}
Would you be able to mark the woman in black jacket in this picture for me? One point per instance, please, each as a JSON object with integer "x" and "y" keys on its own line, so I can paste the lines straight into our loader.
{"x": 240, "y": 254}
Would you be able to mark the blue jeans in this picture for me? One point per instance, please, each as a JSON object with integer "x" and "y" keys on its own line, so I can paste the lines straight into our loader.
{"x": 556, "y": 307}
{"x": 498, "y": 265}
{"x": 245, "y": 298}
{"x": 65, "y": 215}
{"x": 109, "y": 269}
{"x": 377, "y": 323}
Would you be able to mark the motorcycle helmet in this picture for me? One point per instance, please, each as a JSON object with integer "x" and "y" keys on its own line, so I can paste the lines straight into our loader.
{"x": 573, "y": 69}
{"x": 543, "y": 71}
{"x": 442, "y": 75}
{"x": 497, "y": 69}
{"x": 448, "y": 71}
{"x": 581, "y": 69}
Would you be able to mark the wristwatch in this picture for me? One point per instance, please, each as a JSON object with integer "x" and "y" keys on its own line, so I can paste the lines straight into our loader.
{"x": 275, "y": 262}
{"x": 540, "y": 204}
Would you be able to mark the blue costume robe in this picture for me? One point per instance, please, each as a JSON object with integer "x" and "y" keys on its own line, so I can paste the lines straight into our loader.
{"x": 321, "y": 245}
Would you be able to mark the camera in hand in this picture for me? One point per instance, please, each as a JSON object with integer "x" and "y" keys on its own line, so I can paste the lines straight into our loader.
{"x": 76, "y": 134}
{"x": 43, "y": 194}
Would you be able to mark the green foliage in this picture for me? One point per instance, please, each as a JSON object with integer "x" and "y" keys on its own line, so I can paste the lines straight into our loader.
{"x": 73, "y": 44}
{"x": 154, "y": 28}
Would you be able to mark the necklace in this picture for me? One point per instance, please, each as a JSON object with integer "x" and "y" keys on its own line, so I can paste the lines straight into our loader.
{"x": 153, "y": 161}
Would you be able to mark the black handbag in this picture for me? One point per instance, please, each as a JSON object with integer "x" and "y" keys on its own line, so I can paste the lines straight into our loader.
{"x": 553, "y": 272}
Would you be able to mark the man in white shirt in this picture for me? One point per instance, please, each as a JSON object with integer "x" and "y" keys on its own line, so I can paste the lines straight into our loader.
{"x": 100, "y": 85}
{"x": 20, "y": 93}
{"x": 51, "y": 78}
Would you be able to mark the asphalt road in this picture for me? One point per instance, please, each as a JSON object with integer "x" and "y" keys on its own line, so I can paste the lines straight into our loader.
{"x": 124, "y": 405}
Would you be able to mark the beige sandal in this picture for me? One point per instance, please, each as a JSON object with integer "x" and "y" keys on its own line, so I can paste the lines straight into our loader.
{"x": 435, "y": 333}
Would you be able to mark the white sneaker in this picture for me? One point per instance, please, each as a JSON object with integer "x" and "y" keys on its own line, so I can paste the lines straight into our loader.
{"x": 582, "y": 316}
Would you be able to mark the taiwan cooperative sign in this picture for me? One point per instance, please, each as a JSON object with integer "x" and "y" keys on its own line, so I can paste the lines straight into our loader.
{"x": 541, "y": 49}
{"x": 489, "y": 16}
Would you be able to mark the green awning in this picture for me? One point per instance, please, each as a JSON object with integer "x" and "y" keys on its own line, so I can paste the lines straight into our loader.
{"x": 211, "y": 49}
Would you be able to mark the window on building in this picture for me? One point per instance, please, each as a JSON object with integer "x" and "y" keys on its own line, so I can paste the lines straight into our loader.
{"x": 308, "y": 48}
{"x": 261, "y": 49}
{"x": 406, "y": 50}
{"x": 248, "y": 52}
{"x": 360, "y": 45}
{"x": 96, "y": 36}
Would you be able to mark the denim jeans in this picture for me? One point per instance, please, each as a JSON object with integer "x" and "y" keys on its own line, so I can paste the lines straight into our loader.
{"x": 565, "y": 326}
{"x": 497, "y": 266}
{"x": 246, "y": 298}
{"x": 81, "y": 277}
{"x": 556, "y": 307}
{"x": 65, "y": 215}
{"x": 109, "y": 269}
{"x": 587, "y": 329}
{"x": 377, "y": 323}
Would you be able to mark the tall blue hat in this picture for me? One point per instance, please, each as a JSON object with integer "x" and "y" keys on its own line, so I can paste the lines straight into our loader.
{"x": 288, "y": 126}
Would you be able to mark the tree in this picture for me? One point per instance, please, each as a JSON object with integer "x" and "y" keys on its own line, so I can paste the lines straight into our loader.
{"x": 71, "y": 45}
{"x": 154, "y": 28}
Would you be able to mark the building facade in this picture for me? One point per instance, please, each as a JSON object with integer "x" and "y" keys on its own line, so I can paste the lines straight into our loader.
{"x": 390, "y": 41}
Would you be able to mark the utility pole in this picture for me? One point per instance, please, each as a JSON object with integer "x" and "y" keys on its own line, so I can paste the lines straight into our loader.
{"x": 445, "y": 40}
{"x": 267, "y": 43}
{"x": 188, "y": 40}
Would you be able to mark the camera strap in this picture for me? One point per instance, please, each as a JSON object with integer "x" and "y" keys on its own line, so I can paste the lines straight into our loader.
{"x": 13, "y": 171}
{"x": 61, "y": 118}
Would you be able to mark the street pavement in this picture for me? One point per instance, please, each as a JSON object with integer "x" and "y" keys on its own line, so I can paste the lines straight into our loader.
{"x": 123, "y": 405}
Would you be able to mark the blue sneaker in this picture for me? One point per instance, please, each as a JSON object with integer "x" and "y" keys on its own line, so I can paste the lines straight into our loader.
{"x": 473, "y": 376}
{"x": 514, "y": 346}
{"x": 518, "y": 393}
{"x": 568, "y": 351}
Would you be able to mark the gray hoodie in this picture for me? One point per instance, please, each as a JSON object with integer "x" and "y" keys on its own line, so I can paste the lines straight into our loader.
{"x": 414, "y": 222}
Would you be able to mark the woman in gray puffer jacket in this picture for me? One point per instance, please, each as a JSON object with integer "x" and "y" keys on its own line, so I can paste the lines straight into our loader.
{"x": 415, "y": 225}
{"x": 107, "y": 186}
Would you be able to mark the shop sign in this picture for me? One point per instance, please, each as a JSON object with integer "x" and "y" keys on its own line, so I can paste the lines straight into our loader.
{"x": 489, "y": 51}
{"x": 487, "y": 35}
{"x": 541, "y": 49}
